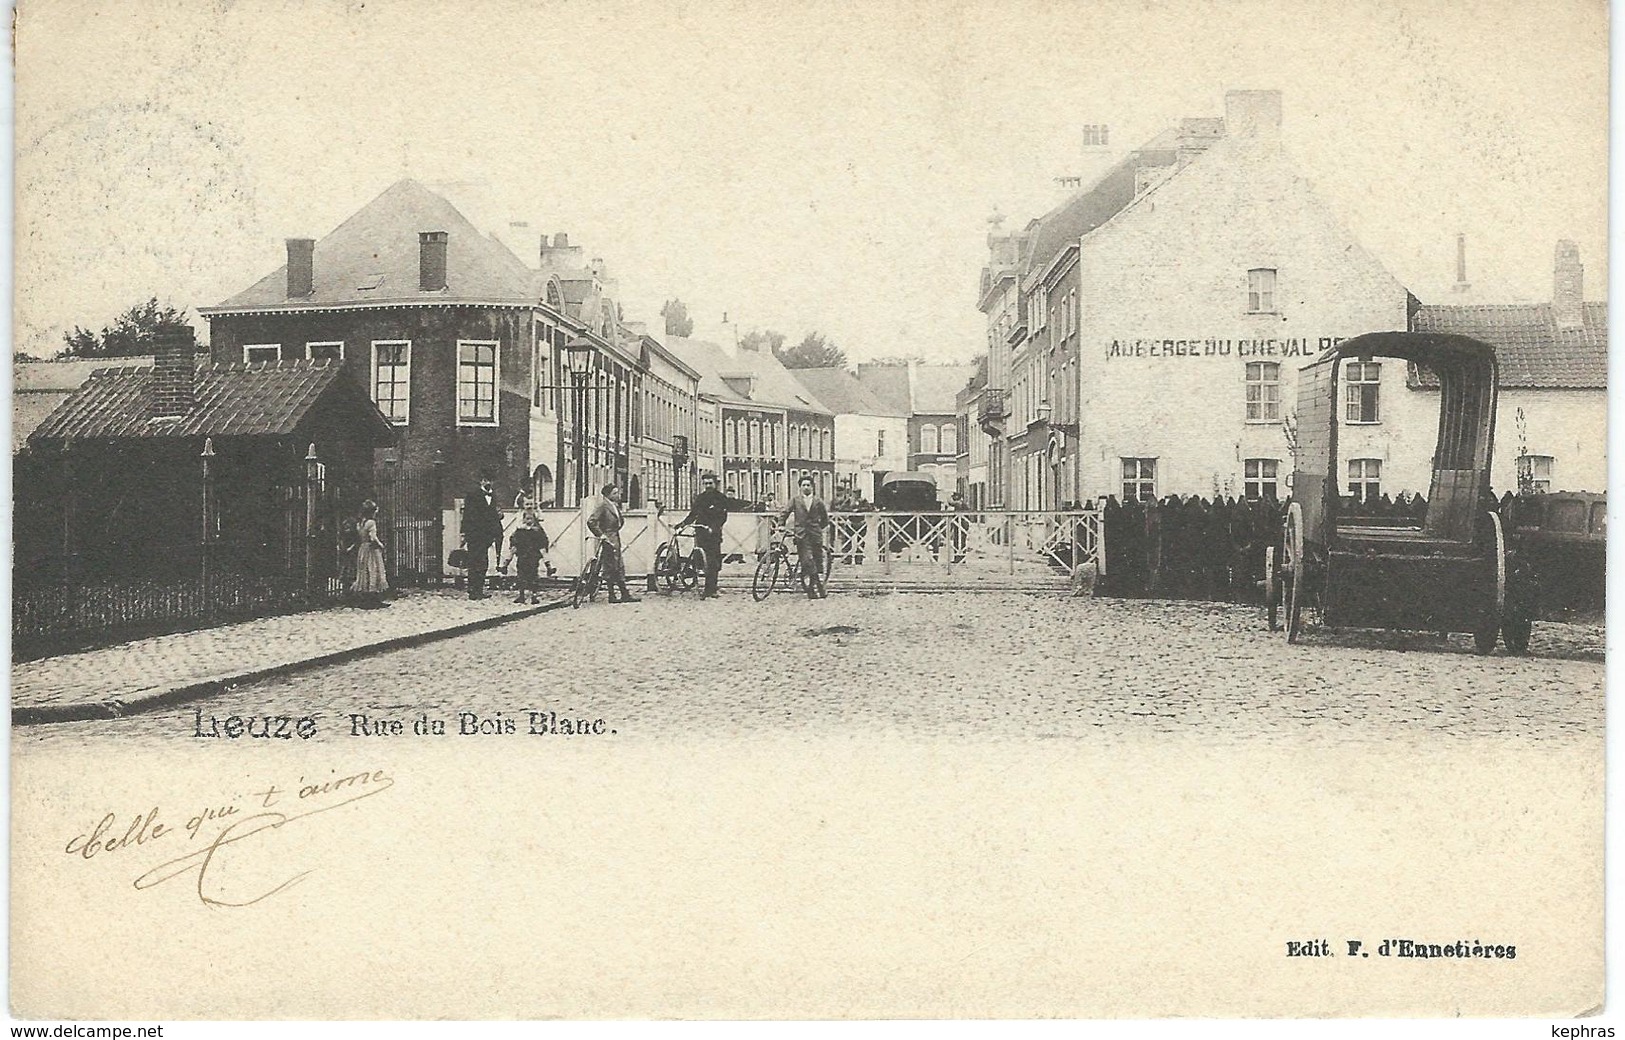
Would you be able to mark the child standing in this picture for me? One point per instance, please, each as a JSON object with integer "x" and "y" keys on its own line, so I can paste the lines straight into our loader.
{"x": 526, "y": 547}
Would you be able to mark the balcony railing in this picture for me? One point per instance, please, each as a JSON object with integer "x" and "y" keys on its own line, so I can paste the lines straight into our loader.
{"x": 995, "y": 405}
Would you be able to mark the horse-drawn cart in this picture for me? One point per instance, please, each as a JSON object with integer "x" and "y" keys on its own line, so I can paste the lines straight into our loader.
{"x": 1446, "y": 572}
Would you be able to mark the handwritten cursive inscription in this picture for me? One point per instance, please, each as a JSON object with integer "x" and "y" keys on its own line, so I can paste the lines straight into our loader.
{"x": 300, "y": 801}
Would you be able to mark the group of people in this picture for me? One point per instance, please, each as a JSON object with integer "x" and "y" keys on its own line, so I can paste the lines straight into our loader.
{"x": 806, "y": 517}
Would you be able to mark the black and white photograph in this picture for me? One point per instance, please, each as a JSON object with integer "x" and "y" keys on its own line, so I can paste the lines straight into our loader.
{"x": 801, "y": 512}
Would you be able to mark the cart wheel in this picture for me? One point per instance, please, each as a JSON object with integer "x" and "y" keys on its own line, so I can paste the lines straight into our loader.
{"x": 1293, "y": 572}
{"x": 1272, "y": 589}
{"x": 767, "y": 573}
{"x": 1484, "y": 636}
{"x": 1515, "y": 632}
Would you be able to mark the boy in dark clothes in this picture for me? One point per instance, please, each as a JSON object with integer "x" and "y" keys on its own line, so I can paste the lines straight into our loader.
{"x": 527, "y": 545}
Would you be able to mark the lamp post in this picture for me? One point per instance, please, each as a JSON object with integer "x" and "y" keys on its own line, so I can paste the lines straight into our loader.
{"x": 578, "y": 355}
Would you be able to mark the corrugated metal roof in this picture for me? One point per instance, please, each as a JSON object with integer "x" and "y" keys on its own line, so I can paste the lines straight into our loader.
{"x": 377, "y": 248}
{"x": 1530, "y": 350}
{"x": 267, "y": 398}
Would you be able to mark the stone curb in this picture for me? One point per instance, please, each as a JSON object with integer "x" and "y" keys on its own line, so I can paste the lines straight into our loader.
{"x": 191, "y": 691}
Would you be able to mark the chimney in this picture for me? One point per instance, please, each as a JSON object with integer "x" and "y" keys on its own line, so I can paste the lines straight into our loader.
{"x": 1568, "y": 285}
{"x": 301, "y": 267}
{"x": 431, "y": 261}
{"x": 561, "y": 241}
{"x": 1252, "y": 113}
{"x": 1462, "y": 284}
{"x": 174, "y": 368}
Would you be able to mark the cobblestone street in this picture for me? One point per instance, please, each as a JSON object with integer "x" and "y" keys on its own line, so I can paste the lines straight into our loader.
{"x": 932, "y": 666}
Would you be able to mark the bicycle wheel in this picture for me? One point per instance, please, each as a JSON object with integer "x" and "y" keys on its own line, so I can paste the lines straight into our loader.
{"x": 586, "y": 585}
{"x": 667, "y": 566}
{"x": 767, "y": 573}
{"x": 693, "y": 569}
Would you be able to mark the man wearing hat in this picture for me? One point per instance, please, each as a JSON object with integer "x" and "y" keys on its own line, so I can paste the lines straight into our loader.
{"x": 482, "y": 528}
{"x": 708, "y": 513}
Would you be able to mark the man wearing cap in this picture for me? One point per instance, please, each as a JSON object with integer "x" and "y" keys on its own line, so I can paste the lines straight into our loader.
{"x": 708, "y": 513}
{"x": 606, "y": 521}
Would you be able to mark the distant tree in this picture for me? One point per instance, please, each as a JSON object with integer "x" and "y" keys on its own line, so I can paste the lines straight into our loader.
{"x": 678, "y": 323}
{"x": 757, "y": 339}
{"x": 131, "y": 334}
{"x": 898, "y": 359}
{"x": 814, "y": 351}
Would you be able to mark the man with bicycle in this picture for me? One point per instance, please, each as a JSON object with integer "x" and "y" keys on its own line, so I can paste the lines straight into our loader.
{"x": 708, "y": 513}
{"x": 605, "y": 521}
{"x": 808, "y": 516}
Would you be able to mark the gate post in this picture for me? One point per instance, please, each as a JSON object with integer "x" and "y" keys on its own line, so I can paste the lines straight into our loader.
{"x": 313, "y": 476}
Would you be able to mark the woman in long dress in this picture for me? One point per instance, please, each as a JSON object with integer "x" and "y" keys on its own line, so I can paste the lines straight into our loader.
{"x": 370, "y": 582}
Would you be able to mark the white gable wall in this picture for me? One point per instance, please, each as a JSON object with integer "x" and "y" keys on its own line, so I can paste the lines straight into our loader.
{"x": 1166, "y": 332}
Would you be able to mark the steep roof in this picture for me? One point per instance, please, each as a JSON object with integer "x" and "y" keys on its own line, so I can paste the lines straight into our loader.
{"x": 843, "y": 393}
{"x": 890, "y": 384}
{"x": 1531, "y": 352}
{"x": 774, "y": 386}
{"x": 268, "y": 398}
{"x": 373, "y": 258}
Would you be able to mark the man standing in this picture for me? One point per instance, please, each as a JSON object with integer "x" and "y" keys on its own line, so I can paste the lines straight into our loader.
{"x": 808, "y": 516}
{"x": 482, "y": 528}
{"x": 708, "y": 513}
{"x": 605, "y": 521}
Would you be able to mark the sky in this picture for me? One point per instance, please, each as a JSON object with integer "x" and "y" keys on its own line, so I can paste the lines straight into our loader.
{"x": 797, "y": 166}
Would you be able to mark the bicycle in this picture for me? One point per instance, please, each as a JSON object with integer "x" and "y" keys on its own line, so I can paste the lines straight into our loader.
{"x": 778, "y": 567}
{"x": 677, "y": 568}
{"x": 587, "y": 583}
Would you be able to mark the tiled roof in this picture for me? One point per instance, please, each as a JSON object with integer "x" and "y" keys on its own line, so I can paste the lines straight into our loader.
{"x": 775, "y": 386}
{"x": 268, "y": 398}
{"x": 890, "y": 384}
{"x": 378, "y": 247}
{"x": 1531, "y": 352}
{"x": 843, "y": 393}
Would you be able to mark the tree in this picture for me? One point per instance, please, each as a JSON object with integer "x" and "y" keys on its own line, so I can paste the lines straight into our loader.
{"x": 899, "y": 359}
{"x": 678, "y": 323}
{"x": 131, "y": 334}
{"x": 756, "y": 339}
{"x": 814, "y": 351}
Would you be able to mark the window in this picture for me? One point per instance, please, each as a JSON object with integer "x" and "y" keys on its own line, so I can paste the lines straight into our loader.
{"x": 730, "y": 482}
{"x": 1139, "y": 479}
{"x": 880, "y": 443}
{"x": 1261, "y": 290}
{"x": 1260, "y": 478}
{"x": 928, "y": 440}
{"x": 828, "y": 438}
{"x": 1535, "y": 473}
{"x": 950, "y": 439}
{"x": 392, "y": 379}
{"x": 325, "y": 351}
{"x": 476, "y": 382}
{"x": 1263, "y": 391}
{"x": 255, "y": 352}
{"x": 730, "y": 445}
{"x": 1360, "y": 383}
{"x": 1365, "y": 479}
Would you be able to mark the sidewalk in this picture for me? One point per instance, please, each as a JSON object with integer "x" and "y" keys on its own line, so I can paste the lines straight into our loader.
{"x": 170, "y": 669}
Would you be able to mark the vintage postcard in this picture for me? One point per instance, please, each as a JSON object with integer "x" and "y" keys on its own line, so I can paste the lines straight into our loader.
{"x": 808, "y": 511}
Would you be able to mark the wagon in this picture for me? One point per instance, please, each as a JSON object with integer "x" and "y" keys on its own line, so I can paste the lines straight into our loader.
{"x": 1445, "y": 571}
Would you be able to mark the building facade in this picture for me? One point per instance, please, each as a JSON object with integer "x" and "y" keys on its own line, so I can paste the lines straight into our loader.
{"x": 871, "y": 436}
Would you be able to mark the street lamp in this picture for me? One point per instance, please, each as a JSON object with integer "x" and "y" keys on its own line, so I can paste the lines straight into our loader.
{"x": 578, "y": 356}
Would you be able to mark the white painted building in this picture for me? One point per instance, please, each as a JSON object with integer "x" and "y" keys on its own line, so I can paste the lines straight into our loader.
{"x": 1205, "y": 295}
{"x": 871, "y": 436}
